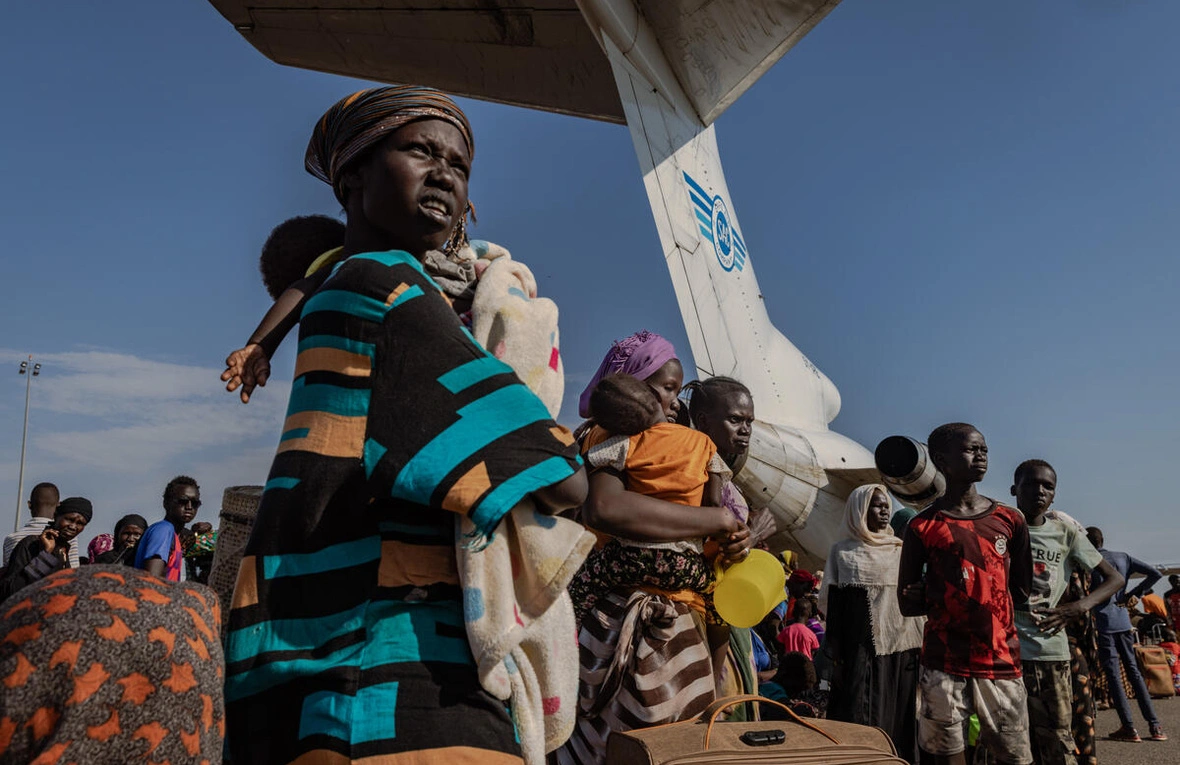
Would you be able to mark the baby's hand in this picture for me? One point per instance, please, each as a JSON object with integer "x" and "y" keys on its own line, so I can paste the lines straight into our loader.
{"x": 246, "y": 368}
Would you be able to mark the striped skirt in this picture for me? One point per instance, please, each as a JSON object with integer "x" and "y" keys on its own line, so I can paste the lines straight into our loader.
{"x": 644, "y": 662}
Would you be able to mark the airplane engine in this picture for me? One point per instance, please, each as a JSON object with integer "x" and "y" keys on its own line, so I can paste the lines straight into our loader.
{"x": 908, "y": 471}
{"x": 803, "y": 478}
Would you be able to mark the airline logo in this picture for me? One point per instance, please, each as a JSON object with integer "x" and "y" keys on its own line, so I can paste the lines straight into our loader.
{"x": 713, "y": 217}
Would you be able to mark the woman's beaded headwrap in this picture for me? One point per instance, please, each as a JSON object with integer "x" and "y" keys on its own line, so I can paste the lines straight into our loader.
{"x": 356, "y": 123}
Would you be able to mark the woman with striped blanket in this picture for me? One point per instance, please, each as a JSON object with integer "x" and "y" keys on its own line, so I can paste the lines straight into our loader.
{"x": 644, "y": 652}
{"x": 346, "y": 637}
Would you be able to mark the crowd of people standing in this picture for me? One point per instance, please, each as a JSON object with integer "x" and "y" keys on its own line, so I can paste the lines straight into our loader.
{"x": 173, "y": 548}
{"x": 407, "y": 584}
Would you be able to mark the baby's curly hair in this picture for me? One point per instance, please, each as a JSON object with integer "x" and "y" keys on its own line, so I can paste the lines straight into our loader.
{"x": 292, "y": 247}
{"x": 624, "y": 405}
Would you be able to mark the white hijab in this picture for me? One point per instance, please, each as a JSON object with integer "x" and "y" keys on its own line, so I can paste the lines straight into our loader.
{"x": 863, "y": 557}
{"x": 870, "y": 560}
{"x": 856, "y": 512}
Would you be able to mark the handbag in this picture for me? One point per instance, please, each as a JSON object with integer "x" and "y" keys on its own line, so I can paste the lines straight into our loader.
{"x": 1157, "y": 675}
{"x": 794, "y": 741}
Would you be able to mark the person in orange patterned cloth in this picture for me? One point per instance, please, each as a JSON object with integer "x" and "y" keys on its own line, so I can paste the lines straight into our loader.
{"x": 107, "y": 664}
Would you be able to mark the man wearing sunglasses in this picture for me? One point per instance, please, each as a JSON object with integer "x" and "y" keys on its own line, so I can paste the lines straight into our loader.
{"x": 160, "y": 551}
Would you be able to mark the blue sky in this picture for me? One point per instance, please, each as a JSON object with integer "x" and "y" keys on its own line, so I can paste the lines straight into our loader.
{"x": 957, "y": 211}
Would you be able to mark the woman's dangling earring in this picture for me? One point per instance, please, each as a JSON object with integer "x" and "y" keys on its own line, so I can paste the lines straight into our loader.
{"x": 458, "y": 237}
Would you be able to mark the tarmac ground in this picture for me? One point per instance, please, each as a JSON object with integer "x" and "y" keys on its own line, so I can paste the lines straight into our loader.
{"x": 1147, "y": 752}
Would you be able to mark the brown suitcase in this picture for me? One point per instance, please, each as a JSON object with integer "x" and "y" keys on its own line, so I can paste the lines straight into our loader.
{"x": 1153, "y": 665}
{"x": 798, "y": 741}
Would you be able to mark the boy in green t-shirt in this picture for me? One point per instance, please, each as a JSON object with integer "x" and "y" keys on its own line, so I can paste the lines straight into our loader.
{"x": 1057, "y": 547}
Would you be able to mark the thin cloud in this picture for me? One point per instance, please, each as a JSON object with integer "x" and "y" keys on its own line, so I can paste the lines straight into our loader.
{"x": 115, "y": 427}
{"x": 123, "y": 413}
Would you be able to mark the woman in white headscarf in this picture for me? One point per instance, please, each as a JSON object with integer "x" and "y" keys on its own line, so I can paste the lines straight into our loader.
{"x": 873, "y": 648}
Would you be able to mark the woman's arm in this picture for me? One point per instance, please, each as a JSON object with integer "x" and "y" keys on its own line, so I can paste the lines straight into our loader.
{"x": 563, "y": 495}
{"x": 612, "y": 509}
{"x": 30, "y": 562}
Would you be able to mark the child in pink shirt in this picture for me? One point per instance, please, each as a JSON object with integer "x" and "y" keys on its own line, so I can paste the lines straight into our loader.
{"x": 797, "y": 636}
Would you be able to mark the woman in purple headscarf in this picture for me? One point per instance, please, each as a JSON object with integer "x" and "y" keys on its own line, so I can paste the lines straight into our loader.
{"x": 645, "y": 356}
{"x": 613, "y": 510}
{"x": 645, "y": 659}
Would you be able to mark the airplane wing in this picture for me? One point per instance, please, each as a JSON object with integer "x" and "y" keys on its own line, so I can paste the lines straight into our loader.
{"x": 535, "y": 53}
{"x": 538, "y": 53}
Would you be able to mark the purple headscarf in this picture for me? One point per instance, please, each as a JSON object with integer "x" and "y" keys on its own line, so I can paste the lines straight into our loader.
{"x": 99, "y": 545}
{"x": 640, "y": 355}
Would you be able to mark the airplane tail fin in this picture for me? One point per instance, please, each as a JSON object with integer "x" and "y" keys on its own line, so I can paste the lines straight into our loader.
{"x": 720, "y": 301}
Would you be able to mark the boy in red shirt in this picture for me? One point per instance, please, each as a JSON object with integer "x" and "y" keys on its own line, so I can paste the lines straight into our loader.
{"x": 978, "y": 568}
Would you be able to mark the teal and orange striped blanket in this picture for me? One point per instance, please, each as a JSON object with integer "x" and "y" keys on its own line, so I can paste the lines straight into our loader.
{"x": 348, "y": 597}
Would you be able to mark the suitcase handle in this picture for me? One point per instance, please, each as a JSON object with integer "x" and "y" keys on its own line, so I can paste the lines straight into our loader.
{"x": 714, "y": 710}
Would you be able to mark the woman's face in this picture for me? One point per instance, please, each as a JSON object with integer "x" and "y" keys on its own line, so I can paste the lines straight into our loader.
{"x": 877, "y": 518}
{"x": 667, "y": 382}
{"x": 730, "y": 423}
{"x": 129, "y": 535}
{"x": 69, "y": 525}
{"x": 411, "y": 190}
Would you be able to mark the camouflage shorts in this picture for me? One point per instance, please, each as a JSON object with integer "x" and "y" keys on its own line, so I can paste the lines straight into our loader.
{"x": 1050, "y": 711}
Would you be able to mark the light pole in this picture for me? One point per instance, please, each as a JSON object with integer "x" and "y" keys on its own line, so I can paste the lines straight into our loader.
{"x": 20, "y": 488}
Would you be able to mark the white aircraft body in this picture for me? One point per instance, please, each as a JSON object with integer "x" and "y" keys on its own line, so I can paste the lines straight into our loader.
{"x": 668, "y": 69}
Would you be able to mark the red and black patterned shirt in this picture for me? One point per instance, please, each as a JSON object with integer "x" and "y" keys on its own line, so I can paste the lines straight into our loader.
{"x": 973, "y": 567}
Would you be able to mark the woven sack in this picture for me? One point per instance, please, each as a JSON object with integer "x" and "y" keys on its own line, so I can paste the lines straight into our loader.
{"x": 239, "y": 505}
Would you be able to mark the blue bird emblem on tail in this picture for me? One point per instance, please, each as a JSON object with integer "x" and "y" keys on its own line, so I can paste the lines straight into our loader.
{"x": 713, "y": 218}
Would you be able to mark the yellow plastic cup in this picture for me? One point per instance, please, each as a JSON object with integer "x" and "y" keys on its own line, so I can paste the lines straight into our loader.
{"x": 749, "y": 590}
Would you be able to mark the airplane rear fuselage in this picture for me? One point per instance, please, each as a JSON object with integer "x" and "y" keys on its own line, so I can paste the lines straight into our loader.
{"x": 676, "y": 66}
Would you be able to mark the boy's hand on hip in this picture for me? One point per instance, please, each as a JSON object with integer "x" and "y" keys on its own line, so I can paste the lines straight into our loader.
{"x": 1052, "y": 620}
